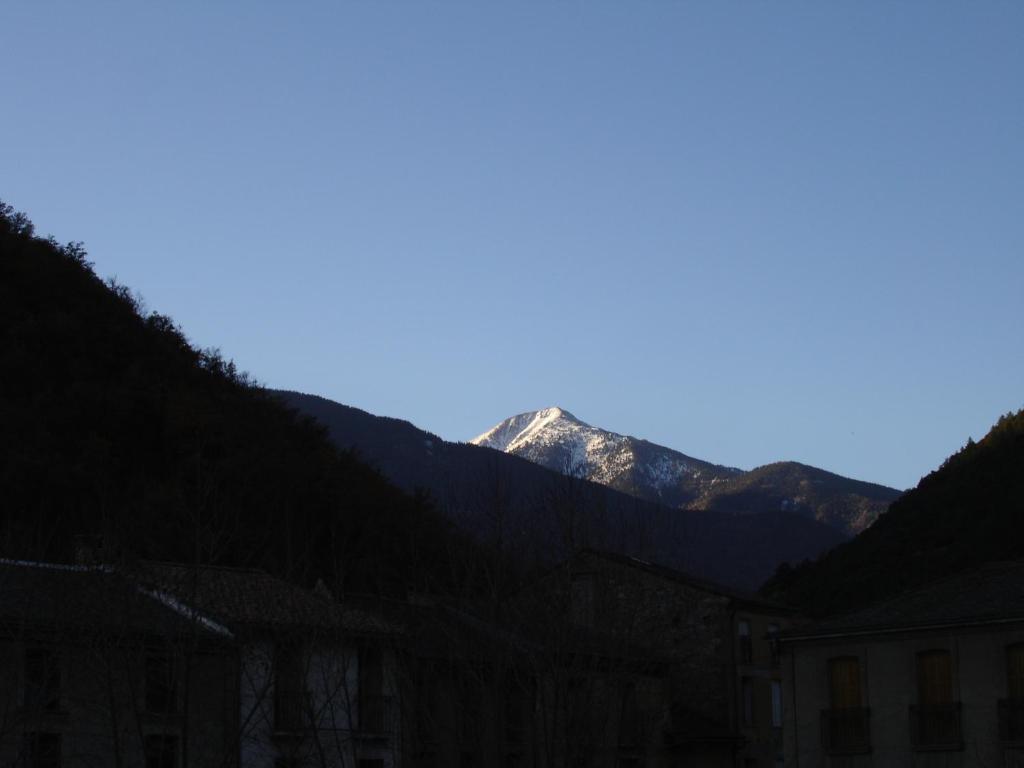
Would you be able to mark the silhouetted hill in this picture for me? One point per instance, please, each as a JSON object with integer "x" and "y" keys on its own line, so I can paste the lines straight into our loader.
{"x": 542, "y": 512}
{"x": 968, "y": 512}
{"x": 113, "y": 425}
{"x": 850, "y": 505}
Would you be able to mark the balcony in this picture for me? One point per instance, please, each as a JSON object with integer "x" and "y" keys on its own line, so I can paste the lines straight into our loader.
{"x": 936, "y": 727}
{"x": 846, "y": 731}
{"x": 1011, "y": 721}
{"x": 376, "y": 716}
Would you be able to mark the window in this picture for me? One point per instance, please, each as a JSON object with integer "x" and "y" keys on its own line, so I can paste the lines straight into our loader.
{"x": 1015, "y": 671}
{"x": 41, "y": 750}
{"x": 42, "y": 680}
{"x": 773, "y": 643}
{"x": 161, "y": 750}
{"x": 161, "y": 690}
{"x": 845, "y": 725}
{"x": 470, "y": 712}
{"x": 747, "y": 688}
{"x": 935, "y": 678}
{"x": 373, "y": 708}
{"x": 577, "y": 698}
{"x": 746, "y": 644}
{"x": 844, "y": 682}
{"x": 289, "y": 689}
{"x": 1011, "y": 709}
{"x": 935, "y": 720}
{"x": 515, "y": 712}
{"x": 776, "y": 704}
{"x": 630, "y": 720}
{"x": 426, "y": 706}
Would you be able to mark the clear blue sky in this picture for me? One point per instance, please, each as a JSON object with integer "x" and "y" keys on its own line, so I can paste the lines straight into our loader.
{"x": 750, "y": 231}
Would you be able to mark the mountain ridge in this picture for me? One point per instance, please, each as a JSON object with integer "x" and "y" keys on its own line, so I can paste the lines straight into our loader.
{"x": 558, "y": 440}
{"x": 497, "y": 494}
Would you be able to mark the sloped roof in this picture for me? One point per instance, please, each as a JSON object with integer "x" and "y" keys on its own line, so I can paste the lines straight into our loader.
{"x": 248, "y": 598}
{"x": 681, "y": 577}
{"x": 68, "y": 598}
{"x": 990, "y": 594}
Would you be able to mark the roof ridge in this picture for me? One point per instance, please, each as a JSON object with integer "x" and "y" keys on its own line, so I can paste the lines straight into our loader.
{"x": 211, "y": 567}
{"x": 64, "y": 567}
{"x": 685, "y": 576}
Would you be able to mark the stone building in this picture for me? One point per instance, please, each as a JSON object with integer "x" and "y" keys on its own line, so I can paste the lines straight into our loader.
{"x": 605, "y": 662}
{"x": 316, "y": 682}
{"x": 164, "y": 665}
{"x": 933, "y": 677}
{"x": 513, "y": 691}
{"x": 722, "y": 683}
{"x": 96, "y": 670}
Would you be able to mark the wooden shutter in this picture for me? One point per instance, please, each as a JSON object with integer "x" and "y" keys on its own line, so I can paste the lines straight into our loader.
{"x": 935, "y": 678}
{"x": 844, "y": 681}
{"x": 1015, "y": 671}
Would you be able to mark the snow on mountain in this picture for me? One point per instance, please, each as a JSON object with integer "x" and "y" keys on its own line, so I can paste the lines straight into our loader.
{"x": 556, "y": 439}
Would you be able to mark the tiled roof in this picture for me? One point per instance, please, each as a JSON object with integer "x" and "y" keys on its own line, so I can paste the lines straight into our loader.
{"x": 246, "y": 598}
{"x": 681, "y": 577}
{"x": 992, "y": 593}
{"x": 92, "y": 598}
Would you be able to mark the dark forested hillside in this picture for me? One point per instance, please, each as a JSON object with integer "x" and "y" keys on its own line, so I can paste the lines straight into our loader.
{"x": 849, "y": 505}
{"x": 113, "y": 425}
{"x": 968, "y": 512}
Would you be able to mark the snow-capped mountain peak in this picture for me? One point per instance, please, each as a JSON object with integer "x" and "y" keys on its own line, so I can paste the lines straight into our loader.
{"x": 555, "y": 438}
{"x": 524, "y": 428}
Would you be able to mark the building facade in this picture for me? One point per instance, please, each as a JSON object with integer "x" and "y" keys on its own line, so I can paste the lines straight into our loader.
{"x": 316, "y": 682}
{"x": 723, "y": 682}
{"x": 95, "y": 670}
{"x": 933, "y": 677}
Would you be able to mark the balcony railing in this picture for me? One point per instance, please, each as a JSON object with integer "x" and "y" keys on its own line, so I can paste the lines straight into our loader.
{"x": 1011, "y": 720}
{"x": 846, "y": 731}
{"x": 376, "y": 715}
{"x": 936, "y": 726}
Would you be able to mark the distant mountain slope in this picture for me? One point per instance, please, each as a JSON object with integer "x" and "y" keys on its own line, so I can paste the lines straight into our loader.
{"x": 486, "y": 490}
{"x": 850, "y": 505}
{"x": 556, "y": 439}
{"x": 968, "y": 512}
